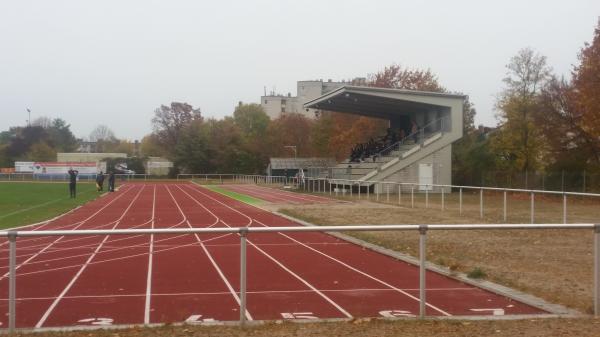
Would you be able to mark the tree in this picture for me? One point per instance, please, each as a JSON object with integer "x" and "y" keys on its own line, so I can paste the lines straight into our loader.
{"x": 169, "y": 121}
{"x": 41, "y": 152}
{"x": 397, "y": 77}
{"x": 102, "y": 133}
{"x": 149, "y": 146}
{"x": 61, "y": 136}
{"x": 192, "y": 153}
{"x": 44, "y": 122}
{"x": 520, "y": 145}
{"x": 290, "y": 129}
{"x": 251, "y": 119}
{"x": 586, "y": 82}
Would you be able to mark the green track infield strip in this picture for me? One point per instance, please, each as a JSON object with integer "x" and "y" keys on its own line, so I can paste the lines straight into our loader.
{"x": 234, "y": 195}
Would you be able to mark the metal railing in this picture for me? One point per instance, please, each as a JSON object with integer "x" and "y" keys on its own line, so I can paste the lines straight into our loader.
{"x": 243, "y": 232}
{"x": 236, "y": 178}
{"x": 347, "y": 186}
{"x": 417, "y": 137}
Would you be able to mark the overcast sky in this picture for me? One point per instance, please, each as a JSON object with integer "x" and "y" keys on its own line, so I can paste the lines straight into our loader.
{"x": 114, "y": 62}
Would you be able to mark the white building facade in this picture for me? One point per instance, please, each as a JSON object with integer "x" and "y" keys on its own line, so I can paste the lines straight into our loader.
{"x": 276, "y": 105}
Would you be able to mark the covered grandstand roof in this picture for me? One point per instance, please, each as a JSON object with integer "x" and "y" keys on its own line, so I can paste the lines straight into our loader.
{"x": 381, "y": 102}
{"x": 298, "y": 163}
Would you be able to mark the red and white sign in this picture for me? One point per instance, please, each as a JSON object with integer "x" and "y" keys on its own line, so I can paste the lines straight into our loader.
{"x": 62, "y": 168}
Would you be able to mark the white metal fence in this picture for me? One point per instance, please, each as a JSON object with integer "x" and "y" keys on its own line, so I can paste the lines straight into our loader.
{"x": 243, "y": 232}
{"x": 387, "y": 188}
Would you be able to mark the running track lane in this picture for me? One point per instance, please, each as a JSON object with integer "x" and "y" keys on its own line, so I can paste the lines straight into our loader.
{"x": 112, "y": 280}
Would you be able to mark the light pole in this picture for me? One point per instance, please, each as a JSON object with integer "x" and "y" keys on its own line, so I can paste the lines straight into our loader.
{"x": 29, "y": 118}
{"x": 293, "y": 147}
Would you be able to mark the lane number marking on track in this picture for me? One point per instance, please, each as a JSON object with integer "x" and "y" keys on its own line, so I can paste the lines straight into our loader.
{"x": 494, "y": 311}
{"x": 97, "y": 321}
{"x": 396, "y": 313}
{"x": 198, "y": 319}
{"x": 298, "y": 315}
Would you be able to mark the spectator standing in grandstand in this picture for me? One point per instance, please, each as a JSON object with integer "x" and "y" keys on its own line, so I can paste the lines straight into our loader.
{"x": 72, "y": 182}
{"x": 100, "y": 181}
{"x": 111, "y": 181}
{"x": 413, "y": 130}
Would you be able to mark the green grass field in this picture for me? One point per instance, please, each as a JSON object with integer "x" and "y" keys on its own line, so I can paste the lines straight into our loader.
{"x": 29, "y": 202}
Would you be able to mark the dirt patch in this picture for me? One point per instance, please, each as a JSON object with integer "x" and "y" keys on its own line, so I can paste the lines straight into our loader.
{"x": 361, "y": 328}
{"x": 555, "y": 265}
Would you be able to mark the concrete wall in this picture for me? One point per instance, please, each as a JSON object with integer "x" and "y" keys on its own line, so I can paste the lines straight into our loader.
{"x": 442, "y": 170}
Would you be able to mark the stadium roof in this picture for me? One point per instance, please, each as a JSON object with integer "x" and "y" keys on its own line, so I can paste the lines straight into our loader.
{"x": 381, "y": 102}
{"x": 298, "y": 163}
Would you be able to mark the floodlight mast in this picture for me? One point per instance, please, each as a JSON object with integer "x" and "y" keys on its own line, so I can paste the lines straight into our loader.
{"x": 293, "y": 147}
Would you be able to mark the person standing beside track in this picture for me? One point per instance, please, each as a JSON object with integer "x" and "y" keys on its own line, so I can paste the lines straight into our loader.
{"x": 111, "y": 181}
{"x": 72, "y": 182}
{"x": 100, "y": 181}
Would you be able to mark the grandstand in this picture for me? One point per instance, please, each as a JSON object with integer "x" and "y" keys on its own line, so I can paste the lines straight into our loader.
{"x": 418, "y": 146}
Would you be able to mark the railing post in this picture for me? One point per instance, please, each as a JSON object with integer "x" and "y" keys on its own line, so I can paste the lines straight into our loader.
{"x": 377, "y": 188}
{"x": 368, "y": 191}
{"x": 443, "y": 206}
{"x": 481, "y": 203}
{"x": 564, "y": 208}
{"x": 532, "y": 207}
{"x": 399, "y": 194}
{"x": 387, "y": 191}
{"x": 422, "y": 269}
{"x": 351, "y": 188}
{"x": 243, "y": 234}
{"x": 12, "y": 281}
{"x": 504, "y": 206}
{"x": 412, "y": 196}
{"x": 426, "y": 197}
{"x": 597, "y": 270}
{"x": 460, "y": 201}
{"x": 359, "y": 190}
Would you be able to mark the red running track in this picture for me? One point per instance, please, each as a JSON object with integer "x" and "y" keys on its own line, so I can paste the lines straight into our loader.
{"x": 135, "y": 279}
{"x": 278, "y": 196}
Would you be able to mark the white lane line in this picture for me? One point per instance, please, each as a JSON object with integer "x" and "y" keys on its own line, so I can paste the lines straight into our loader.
{"x": 149, "y": 276}
{"x": 346, "y": 265}
{"x": 145, "y": 253}
{"x": 281, "y": 265}
{"x": 360, "y": 272}
{"x": 68, "y": 287}
{"x": 257, "y": 292}
{"x": 212, "y": 261}
{"x": 59, "y": 238}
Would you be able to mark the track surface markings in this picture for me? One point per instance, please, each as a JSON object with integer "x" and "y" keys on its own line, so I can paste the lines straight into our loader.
{"x": 137, "y": 279}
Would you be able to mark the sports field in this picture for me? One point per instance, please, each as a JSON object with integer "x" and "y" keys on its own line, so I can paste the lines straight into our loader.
{"x": 25, "y": 203}
{"x": 137, "y": 279}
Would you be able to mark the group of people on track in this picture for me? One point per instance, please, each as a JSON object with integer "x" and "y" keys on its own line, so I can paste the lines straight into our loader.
{"x": 99, "y": 182}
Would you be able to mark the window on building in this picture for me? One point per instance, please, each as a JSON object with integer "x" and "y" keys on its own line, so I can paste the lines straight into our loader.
{"x": 265, "y": 101}
{"x": 283, "y": 109}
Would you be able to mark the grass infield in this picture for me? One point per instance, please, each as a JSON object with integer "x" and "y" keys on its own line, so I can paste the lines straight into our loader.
{"x": 30, "y": 202}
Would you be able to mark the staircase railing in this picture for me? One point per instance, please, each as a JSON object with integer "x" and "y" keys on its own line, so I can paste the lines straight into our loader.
{"x": 417, "y": 137}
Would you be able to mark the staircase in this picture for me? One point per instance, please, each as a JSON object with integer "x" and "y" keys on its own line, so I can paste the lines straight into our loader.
{"x": 411, "y": 149}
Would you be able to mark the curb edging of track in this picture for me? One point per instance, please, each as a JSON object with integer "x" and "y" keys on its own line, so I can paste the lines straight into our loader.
{"x": 552, "y": 308}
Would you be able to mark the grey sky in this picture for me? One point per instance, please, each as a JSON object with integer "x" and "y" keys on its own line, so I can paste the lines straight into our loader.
{"x": 114, "y": 62}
